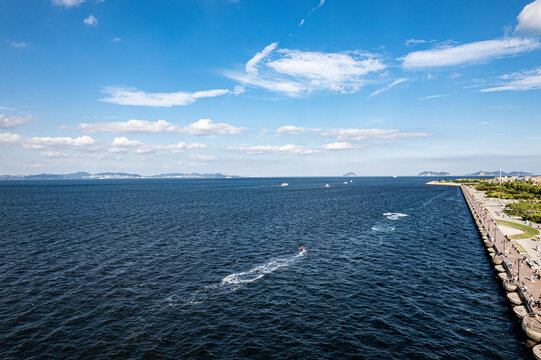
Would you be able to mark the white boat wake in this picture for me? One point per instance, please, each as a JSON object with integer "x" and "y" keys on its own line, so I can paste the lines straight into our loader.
{"x": 259, "y": 271}
{"x": 233, "y": 282}
{"x": 394, "y": 216}
{"x": 383, "y": 228}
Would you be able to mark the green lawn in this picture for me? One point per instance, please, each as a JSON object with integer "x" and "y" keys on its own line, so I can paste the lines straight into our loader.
{"x": 528, "y": 231}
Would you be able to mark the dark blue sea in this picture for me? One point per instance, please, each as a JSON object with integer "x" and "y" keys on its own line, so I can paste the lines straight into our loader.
{"x": 203, "y": 269}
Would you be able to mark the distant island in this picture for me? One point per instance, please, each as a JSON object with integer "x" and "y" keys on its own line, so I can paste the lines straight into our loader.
{"x": 497, "y": 173}
{"x": 350, "y": 174}
{"x": 115, "y": 175}
{"x": 433, "y": 173}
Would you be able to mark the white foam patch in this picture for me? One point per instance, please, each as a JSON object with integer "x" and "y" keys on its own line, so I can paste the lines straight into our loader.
{"x": 383, "y": 228}
{"x": 232, "y": 282}
{"x": 259, "y": 271}
{"x": 394, "y": 216}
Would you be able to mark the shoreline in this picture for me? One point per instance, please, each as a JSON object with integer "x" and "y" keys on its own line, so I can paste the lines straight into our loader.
{"x": 515, "y": 268}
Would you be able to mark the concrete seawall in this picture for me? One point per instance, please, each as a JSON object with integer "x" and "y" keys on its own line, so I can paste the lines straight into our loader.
{"x": 523, "y": 289}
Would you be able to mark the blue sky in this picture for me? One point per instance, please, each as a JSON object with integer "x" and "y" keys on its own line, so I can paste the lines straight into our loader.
{"x": 270, "y": 88}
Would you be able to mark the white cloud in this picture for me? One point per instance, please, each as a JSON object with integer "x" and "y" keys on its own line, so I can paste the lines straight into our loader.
{"x": 475, "y": 52}
{"x": 19, "y": 44}
{"x": 261, "y": 149}
{"x": 296, "y": 72}
{"x": 388, "y": 86}
{"x": 432, "y": 97}
{"x": 203, "y": 157}
{"x": 7, "y": 121}
{"x": 173, "y": 148}
{"x": 91, "y": 20}
{"x": 204, "y": 127}
{"x": 9, "y": 138}
{"x": 238, "y": 90}
{"x": 529, "y": 19}
{"x": 412, "y": 42}
{"x": 42, "y": 142}
{"x": 68, "y": 3}
{"x": 201, "y": 127}
{"x": 123, "y": 95}
{"x": 342, "y": 145}
{"x": 527, "y": 80}
{"x": 130, "y": 126}
{"x": 290, "y": 129}
{"x": 53, "y": 154}
{"x": 118, "y": 150}
{"x": 252, "y": 63}
{"x": 353, "y": 134}
{"x": 125, "y": 142}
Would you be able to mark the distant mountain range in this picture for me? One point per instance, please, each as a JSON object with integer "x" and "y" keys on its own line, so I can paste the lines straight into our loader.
{"x": 350, "y": 174}
{"x": 433, "y": 173}
{"x": 497, "y": 173}
{"x": 114, "y": 175}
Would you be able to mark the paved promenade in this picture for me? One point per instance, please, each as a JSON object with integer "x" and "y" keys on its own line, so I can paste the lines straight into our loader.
{"x": 520, "y": 258}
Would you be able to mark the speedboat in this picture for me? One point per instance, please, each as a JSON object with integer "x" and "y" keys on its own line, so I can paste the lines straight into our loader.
{"x": 345, "y": 182}
{"x": 285, "y": 184}
{"x": 327, "y": 185}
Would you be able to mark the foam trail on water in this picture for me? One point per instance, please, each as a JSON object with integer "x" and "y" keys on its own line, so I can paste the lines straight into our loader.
{"x": 394, "y": 216}
{"x": 232, "y": 282}
{"x": 258, "y": 272}
{"x": 383, "y": 228}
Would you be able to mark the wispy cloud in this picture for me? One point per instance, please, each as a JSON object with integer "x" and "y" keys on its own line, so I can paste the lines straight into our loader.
{"x": 503, "y": 107}
{"x": 295, "y": 72}
{"x": 123, "y": 144}
{"x": 173, "y": 148}
{"x": 320, "y": 4}
{"x": 68, "y": 3}
{"x": 521, "y": 81}
{"x": 262, "y": 149}
{"x": 529, "y": 19}
{"x": 91, "y": 20}
{"x": 123, "y": 95}
{"x": 54, "y": 154}
{"x": 203, "y": 157}
{"x": 413, "y": 42}
{"x": 388, "y": 87}
{"x": 340, "y": 145}
{"x": 43, "y": 142}
{"x": 352, "y": 134}
{"x": 290, "y": 129}
{"x": 205, "y": 127}
{"x": 130, "y": 126}
{"x": 11, "y": 121}
{"x": 475, "y": 52}
{"x": 19, "y": 44}
{"x": 432, "y": 97}
{"x": 202, "y": 127}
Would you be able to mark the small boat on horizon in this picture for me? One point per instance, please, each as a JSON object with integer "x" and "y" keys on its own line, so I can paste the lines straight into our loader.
{"x": 327, "y": 185}
{"x": 345, "y": 182}
{"x": 285, "y": 184}
{"x": 394, "y": 176}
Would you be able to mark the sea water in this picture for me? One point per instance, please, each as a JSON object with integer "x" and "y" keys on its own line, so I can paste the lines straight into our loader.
{"x": 200, "y": 269}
